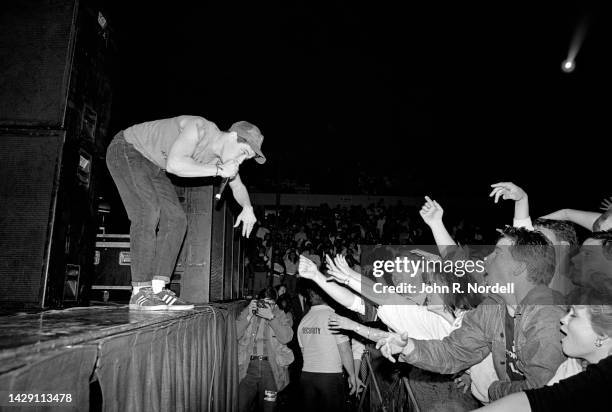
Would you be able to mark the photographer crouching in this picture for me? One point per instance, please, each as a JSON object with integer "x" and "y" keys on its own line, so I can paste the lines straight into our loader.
{"x": 263, "y": 357}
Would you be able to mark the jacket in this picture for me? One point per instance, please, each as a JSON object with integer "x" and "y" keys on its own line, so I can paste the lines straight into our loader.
{"x": 537, "y": 339}
{"x": 279, "y": 332}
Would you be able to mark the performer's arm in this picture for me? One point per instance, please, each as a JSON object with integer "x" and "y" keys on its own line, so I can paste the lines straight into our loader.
{"x": 247, "y": 217}
{"x": 179, "y": 160}
{"x": 240, "y": 192}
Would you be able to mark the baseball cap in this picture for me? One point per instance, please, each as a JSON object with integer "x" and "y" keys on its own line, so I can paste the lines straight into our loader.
{"x": 253, "y": 137}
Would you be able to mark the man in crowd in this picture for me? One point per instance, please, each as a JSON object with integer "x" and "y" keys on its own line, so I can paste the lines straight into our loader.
{"x": 520, "y": 329}
{"x": 263, "y": 330}
{"x": 592, "y": 268}
{"x": 560, "y": 233}
{"x": 325, "y": 353}
{"x": 138, "y": 159}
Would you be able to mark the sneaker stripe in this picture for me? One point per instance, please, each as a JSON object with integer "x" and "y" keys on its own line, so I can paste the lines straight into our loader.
{"x": 172, "y": 301}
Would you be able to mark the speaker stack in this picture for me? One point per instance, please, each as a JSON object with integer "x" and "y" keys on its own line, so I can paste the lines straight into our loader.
{"x": 55, "y": 101}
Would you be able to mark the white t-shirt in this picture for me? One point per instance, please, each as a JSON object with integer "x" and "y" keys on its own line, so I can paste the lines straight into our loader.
{"x": 415, "y": 320}
{"x": 569, "y": 368}
{"x": 319, "y": 344}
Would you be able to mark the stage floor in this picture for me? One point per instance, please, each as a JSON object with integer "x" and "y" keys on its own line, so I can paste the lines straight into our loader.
{"x": 27, "y": 333}
{"x": 139, "y": 361}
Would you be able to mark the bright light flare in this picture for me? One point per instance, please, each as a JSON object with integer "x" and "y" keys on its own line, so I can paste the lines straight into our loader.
{"x": 568, "y": 66}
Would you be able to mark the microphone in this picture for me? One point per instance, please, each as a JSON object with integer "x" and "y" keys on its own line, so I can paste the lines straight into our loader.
{"x": 222, "y": 188}
{"x": 226, "y": 180}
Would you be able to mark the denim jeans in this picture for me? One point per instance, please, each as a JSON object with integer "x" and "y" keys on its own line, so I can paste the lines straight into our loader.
{"x": 257, "y": 388}
{"x": 158, "y": 221}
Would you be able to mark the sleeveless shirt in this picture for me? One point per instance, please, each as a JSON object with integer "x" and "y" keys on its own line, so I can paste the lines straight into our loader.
{"x": 155, "y": 138}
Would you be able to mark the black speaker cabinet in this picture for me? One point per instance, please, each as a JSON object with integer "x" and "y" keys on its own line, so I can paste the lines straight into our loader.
{"x": 212, "y": 255}
{"x": 46, "y": 218}
{"x": 56, "y": 59}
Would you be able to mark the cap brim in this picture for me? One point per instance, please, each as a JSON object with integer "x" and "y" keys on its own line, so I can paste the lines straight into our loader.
{"x": 261, "y": 159}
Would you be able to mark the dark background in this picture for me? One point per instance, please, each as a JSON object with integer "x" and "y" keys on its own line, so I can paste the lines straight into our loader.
{"x": 444, "y": 98}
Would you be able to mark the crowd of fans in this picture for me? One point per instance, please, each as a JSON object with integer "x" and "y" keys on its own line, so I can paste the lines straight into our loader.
{"x": 280, "y": 238}
{"x": 545, "y": 343}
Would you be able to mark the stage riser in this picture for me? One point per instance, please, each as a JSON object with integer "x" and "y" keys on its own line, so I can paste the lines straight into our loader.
{"x": 165, "y": 361}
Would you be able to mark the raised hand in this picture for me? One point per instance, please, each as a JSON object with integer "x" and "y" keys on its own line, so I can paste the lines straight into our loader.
{"x": 336, "y": 273}
{"x": 431, "y": 212}
{"x": 606, "y": 204}
{"x": 507, "y": 190}
{"x": 341, "y": 264}
{"x": 307, "y": 269}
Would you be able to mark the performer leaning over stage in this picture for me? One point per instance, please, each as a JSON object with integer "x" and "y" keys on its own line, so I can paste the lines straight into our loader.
{"x": 138, "y": 159}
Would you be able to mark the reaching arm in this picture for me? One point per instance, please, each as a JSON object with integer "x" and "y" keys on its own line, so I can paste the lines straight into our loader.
{"x": 579, "y": 217}
{"x": 240, "y": 192}
{"x": 246, "y": 217}
{"x": 432, "y": 213}
{"x": 337, "y": 322}
{"x": 463, "y": 348}
{"x": 508, "y": 190}
{"x": 342, "y": 273}
{"x": 307, "y": 269}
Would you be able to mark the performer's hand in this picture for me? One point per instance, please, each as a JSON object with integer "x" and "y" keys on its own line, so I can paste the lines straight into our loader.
{"x": 229, "y": 168}
{"x": 431, "y": 212}
{"x": 507, "y": 190}
{"x": 248, "y": 219}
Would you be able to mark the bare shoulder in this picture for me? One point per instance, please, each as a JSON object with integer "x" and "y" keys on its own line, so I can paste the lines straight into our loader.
{"x": 199, "y": 121}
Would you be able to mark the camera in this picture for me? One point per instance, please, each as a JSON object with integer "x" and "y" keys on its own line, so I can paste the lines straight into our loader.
{"x": 261, "y": 303}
